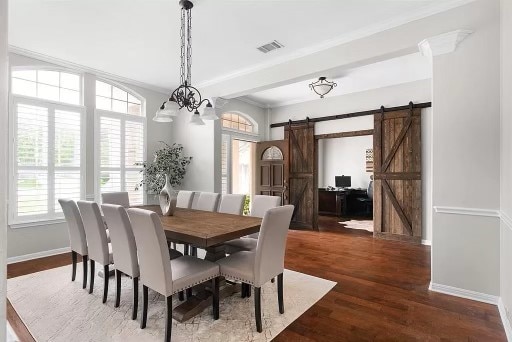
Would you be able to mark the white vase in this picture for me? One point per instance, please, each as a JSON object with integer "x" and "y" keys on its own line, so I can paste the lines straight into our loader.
{"x": 167, "y": 198}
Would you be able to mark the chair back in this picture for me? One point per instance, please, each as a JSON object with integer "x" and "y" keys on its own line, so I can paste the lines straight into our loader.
{"x": 271, "y": 247}
{"x": 155, "y": 267}
{"x": 232, "y": 204}
{"x": 119, "y": 198}
{"x": 207, "y": 201}
{"x": 261, "y": 203}
{"x": 77, "y": 239}
{"x": 124, "y": 249}
{"x": 184, "y": 199}
{"x": 95, "y": 231}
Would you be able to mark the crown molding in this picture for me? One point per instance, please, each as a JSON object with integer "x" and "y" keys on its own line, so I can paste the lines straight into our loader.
{"x": 82, "y": 68}
{"x": 253, "y": 102}
{"x": 443, "y": 43}
{"x": 345, "y": 38}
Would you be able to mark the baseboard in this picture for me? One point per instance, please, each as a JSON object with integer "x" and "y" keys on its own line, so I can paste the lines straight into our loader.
{"x": 426, "y": 242}
{"x": 37, "y": 255}
{"x": 463, "y": 293}
{"x": 504, "y": 320}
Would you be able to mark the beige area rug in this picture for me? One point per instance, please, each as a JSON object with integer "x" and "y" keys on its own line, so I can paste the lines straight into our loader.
{"x": 56, "y": 309}
{"x": 358, "y": 224}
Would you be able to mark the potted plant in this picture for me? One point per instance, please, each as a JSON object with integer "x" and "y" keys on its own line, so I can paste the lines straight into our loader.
{"x": 169, "y": 166}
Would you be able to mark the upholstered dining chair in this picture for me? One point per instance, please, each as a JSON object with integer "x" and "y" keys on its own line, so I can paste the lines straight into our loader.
{"x": 120, "y": 198}
{"x": 259, "y": 206}
{"x": 124, "y": 250}
{"x": 164, "y": 276}
{"x": 232, "y": 204}
{"x": 77, "y": 239}
{"x": 184, "y": 199}
{"x": 100, "y": 250}
{"x": 264, "y": 263}
{"x": 207, "y": 201}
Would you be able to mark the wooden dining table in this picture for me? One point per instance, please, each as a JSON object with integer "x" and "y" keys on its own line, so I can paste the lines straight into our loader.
{"x": 207, "y": 230}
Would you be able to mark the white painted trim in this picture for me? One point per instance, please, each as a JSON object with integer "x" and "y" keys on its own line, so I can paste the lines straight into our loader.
{"x": 31, "y": 224}
{"x": 252, "y": 102}
{"x": 467, "y": 211}
{"x": 26, "y": 257}
{"x": 11, "y": 335}
{"x": 346, "y": 38}
{"x": 507, "y": 220}
{"x": 82, "y": 68}
{"x": 443, "y": 43}
{"x": 463, "y": 293}
{"x": 426, "y": 242}
{"x": 504, "y": 319}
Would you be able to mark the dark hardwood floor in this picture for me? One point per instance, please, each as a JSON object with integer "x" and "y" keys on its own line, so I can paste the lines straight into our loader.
{"x": 381, "y": 293}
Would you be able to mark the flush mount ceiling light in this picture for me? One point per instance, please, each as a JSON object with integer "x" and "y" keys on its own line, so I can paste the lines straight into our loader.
{"x": 186, "y": 96}
{"x": 322, "y": 86}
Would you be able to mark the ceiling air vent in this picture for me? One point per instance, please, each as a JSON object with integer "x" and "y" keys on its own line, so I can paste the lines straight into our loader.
{"x": 270, "y": 46}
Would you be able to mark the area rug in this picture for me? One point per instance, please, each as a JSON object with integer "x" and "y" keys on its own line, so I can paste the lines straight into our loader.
{"x": 55, "y": 309}
{"x": 358, "y": 224}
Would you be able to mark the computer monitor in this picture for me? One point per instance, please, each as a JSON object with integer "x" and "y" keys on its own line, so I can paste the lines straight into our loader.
{"x": 343, "y": 181}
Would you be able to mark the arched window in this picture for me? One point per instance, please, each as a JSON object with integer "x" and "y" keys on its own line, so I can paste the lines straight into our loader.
{"x": 237, "y": 122}
{"x": 120, "y": 147}
{"x": 272, "y": 153}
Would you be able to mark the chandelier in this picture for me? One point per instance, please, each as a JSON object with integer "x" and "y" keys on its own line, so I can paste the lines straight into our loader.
{"x": 322, "y": 86}
{"x": 186, "y": 96}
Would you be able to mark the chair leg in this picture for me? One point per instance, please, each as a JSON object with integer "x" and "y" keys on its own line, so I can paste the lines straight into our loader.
{"x": 91, "y": 284}
{"x": 215, "y": 301}
{"x": 189, "y": 292}
{"x": 73, "y": 261}
{"x": 168, "y": 318}
{"x": 118, "y": 288}
{"x": 244, "y": 291}
{"x": 248, "y": 290}
{"x": 185, "y": 248}
{"x": 84, "y": 264}
{"x": 181, "y": 296}
{"x": 273, "y": 280}
{"x": 280, "y": 293}
{"x": 194, "y": 252}
{"x": 144, "y": 307}
{"x": 257, "y": 308}
{"x": 135, "y": 297}
{"x": 105, "y": 282}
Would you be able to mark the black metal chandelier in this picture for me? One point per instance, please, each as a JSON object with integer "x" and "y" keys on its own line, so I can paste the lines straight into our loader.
{"x": 322, "y": 86}
{"x": 186, "y": 96}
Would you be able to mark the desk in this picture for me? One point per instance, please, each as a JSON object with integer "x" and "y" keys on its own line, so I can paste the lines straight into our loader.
{"x": 340, "y": 202}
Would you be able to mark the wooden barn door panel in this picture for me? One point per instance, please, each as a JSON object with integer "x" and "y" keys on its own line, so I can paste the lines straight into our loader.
{"x": 301, "y": 173}
{"x": 397, "y": 185}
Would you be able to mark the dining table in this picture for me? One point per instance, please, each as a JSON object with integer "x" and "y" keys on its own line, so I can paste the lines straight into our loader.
{"x": 209, "y": 231}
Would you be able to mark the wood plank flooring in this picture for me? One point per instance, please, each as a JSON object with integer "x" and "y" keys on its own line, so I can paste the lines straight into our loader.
{"x": 381, "y": 293}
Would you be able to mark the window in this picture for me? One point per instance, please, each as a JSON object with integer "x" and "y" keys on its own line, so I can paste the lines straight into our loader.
{"x": 49, "y": 85}
{"x": 237, "y": 122}
{"x": 120, "y": 129}
{"x": 112, "y": 98}
{"x": 47, "y": 158}
{"x": 272, "y": 153}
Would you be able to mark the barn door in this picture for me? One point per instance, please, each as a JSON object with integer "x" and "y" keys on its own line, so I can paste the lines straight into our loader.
{"x": 270, "y": 169}
{"x": 397, "y": 186}
{"x": 301, "y": 173}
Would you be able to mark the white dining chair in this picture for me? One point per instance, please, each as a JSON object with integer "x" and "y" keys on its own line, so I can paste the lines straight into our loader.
{"x": 164, "y": 276}
{"x": 185, "y": 199}
{"x": 260, "y": 204}
{"x": 207, "y": 201}
{"x": 77, "y": 239}
{"x": 232, "y": 204}
{"x": 264, "y": 263}
{"x": 120, "y": 198}
{"x": 100, "y": 250}
{"x": 124, "y": 250}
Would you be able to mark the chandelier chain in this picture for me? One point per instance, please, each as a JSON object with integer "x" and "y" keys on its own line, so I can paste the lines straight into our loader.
{"x": 183, "y": 52}
{"x": 189, "y": 47}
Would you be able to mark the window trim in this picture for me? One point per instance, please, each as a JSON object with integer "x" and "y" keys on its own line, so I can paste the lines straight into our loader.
{"x": 49, "y": 68}
{"x": 98, "y": 113}
{"x": 232, "y": 131}
{"x": 14, "y": 221}
{"x": 130, "y": 91}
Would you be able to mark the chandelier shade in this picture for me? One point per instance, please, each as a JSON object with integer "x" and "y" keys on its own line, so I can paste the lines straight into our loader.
{"x": 196, "y": 119}
{"x": 186, "y": 95}
{"x": 322, "y": 86}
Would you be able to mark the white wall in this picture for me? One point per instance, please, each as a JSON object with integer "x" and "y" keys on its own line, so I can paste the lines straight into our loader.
{"x": 344, "y": 156}
{"x": 506, "y": 157}
{"x": 37, "y": 239}
{"x": 465, "y": 248}
{"x": 4, "y": 167}
{"x": 419, "y": 91}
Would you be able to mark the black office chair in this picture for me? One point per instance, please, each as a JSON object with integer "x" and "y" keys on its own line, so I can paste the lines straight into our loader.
{"x": 368, "y": 201}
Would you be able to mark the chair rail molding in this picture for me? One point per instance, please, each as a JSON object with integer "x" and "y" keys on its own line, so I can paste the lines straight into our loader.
{"x": 467, "y": 211}
{"x": 443, "y": 43}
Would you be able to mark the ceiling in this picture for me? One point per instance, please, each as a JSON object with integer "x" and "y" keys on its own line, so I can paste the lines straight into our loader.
{"x": 139, "y": 39}
{"x": 408, "y": 68}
